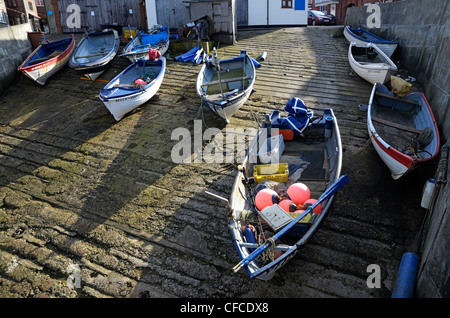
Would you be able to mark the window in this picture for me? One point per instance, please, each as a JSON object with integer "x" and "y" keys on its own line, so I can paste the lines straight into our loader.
{"x": 39, "y": 3}
{"x": 2, "y": 16}
{"x": 30, "y": 5}
{"x": 286, "y": 4}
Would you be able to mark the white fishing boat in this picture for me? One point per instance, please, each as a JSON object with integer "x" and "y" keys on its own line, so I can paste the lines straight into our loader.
{"x": 403, "y": 131}
{"x": 134, "y": 86}
{"x": 225, "y": 85}
{"x": 95, "y": 52}
{"x": 370, "y": 63}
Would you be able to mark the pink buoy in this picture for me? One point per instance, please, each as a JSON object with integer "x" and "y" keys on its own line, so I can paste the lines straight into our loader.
{"x": 299, "y": 193}
{"x": 266, "y": 197}
{"x": 140, "y": 81}
{"x": 309, "y": 202}
{"x": 288, "y": 205}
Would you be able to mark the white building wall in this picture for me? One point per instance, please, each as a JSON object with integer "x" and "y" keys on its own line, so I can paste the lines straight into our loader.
{"x": 150, "y": 7}
{"x": 257, "y": 13}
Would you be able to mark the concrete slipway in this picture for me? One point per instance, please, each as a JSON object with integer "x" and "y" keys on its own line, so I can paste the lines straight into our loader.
{"x": 79, "y": 189}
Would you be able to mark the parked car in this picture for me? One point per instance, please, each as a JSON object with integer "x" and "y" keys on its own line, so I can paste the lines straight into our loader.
{"x": 317, "y": 18}
{"x": 332, "y": 18}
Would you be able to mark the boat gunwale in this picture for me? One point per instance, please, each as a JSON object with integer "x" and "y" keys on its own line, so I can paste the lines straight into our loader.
{"x": 390, "y": 65}
{"x": 379, "y": 39}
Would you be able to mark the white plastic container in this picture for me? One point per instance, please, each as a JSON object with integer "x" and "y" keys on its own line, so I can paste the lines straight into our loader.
{"x": 427, "y": 193}
{"x": 276, "y": 150}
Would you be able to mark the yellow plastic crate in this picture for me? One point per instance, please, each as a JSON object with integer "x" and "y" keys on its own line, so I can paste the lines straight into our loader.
{"x": 277, "y": 172}
{"x": 308, "y": 219}
{"x": 126, "y": 33}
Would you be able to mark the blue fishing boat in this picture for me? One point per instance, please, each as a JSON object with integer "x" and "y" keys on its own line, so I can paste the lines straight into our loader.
{"x": 362, "y": 37}
{"x": 157, "y": 38}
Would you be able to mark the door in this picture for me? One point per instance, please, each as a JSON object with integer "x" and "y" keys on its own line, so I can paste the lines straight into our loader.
{"x": 89, "y": 15}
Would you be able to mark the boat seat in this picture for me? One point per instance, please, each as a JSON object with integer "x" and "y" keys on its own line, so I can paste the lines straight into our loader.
{"x": 92, "y": 55}
{"x": 397, "y": 98}
{"x": 396, "y": 125}
{"x": 227, "y": 80}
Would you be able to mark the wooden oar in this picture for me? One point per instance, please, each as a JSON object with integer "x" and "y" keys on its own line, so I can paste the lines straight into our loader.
{"x": 328, "y": 193}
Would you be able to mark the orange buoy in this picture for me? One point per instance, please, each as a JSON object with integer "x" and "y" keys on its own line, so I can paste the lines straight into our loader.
{"x": 299, "y": 193}
{"x": 266, "y": 197}
{"x": 288, "y": 205}
{"x": 317, "y": 209}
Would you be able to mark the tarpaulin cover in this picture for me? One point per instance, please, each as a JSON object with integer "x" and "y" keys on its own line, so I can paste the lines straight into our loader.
{"x": 153, "y": 39}
{"x": 298, "y": 118}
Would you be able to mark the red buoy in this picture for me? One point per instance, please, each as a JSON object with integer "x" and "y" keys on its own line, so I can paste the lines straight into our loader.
{"x": 309, "y": 202}
{"x": 266, "y": 197}
{"x": 288, "y": 205}
{"x": 299, "y": 193}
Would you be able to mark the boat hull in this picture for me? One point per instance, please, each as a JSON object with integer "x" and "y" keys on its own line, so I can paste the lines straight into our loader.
{"x": 372, "y": 72}
{"x": 41, "y": 72}
{"x": 119, "y": 106}
{"x": 332, "y": 150}
{"x": 231, "y": 108}
{"x": 397, "y": 160}
{"x": 388, "y": 47}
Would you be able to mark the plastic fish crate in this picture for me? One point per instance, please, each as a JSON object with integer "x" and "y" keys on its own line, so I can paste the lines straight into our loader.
{"x": 277, "y": 172}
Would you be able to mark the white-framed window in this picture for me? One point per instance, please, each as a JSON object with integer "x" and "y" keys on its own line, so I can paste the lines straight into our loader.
{"x": 39, "y": 3}
{"x": 286, "y": 4}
